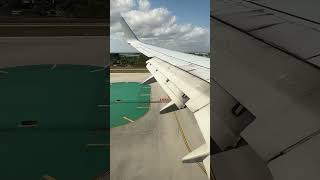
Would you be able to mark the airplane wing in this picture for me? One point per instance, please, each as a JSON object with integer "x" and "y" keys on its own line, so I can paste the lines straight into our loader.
{"x": 186, "y": 80}
{"x": 267, "y": 60}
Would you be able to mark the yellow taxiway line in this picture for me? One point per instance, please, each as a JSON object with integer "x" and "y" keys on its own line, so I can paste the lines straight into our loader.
{"x": 187, "y": 143}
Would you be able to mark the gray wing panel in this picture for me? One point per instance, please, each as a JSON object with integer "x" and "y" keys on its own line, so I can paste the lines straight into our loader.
{"x": 272, "y": 23}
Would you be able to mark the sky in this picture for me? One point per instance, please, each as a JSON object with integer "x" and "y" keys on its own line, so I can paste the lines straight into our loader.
{"x": 181, "y": 25}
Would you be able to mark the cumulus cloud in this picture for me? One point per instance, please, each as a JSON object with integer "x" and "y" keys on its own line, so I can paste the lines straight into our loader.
{"x": 144, "y": 4}
{"x": 157, "y": 26}
{"x": 118, "y": 6}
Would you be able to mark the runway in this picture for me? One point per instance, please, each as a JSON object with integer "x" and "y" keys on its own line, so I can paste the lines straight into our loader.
{"x": 152, "y": 147}
{"x": 83, "y": 50}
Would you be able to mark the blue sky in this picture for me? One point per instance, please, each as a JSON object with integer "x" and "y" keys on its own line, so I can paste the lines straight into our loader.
{"x": 181, "y": 25}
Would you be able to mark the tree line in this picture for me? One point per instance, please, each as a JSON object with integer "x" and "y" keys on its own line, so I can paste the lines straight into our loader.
{"x": 65, "y": 8}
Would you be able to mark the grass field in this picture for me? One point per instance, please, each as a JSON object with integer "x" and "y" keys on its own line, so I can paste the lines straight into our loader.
{"x": 50, "y": 122}
{"x": 129, "y": 101}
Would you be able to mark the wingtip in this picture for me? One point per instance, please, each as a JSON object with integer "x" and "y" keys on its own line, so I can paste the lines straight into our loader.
{"x": 127, "y": 30}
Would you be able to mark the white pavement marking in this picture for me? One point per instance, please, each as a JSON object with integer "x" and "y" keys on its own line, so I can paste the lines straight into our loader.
{"x": 5, "y": 72}
{"x": 124, "y": 117}
{"x": 143, "y": 107}
{"x": 144, "y": 94}
{"x": 53, "y": 67}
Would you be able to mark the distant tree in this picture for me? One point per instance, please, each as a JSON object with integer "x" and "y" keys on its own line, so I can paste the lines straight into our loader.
{"x": 83, "y": 8}
{"x": 4, "y": 3}
{"x": 41, "y": 7}
{"x": 4, "y": 8}
{"x": 114, "y": 57}
{"x": 123, "y": 62}
{"x": 14, "y": 4}
{"x": 67, "y": 6}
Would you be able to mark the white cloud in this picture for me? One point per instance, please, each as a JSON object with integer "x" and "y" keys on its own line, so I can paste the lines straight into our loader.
{"x": 144, "y": 4}
{"x": 118, "y": 6}
{"x": 157, "y": 26}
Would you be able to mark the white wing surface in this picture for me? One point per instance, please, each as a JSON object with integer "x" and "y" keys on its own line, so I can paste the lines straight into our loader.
{"x": 186, "y": 80}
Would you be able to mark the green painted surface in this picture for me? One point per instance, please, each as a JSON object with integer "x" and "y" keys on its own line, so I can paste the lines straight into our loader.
{"x": 64, "y": 103}
{"x": 128, "y": 99}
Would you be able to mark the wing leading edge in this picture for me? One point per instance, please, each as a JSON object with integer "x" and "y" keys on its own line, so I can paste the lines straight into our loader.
{"x": 186, "y": 80}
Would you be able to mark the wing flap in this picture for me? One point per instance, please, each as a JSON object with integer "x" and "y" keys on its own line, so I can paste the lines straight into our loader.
{"x": 197, "y": 155}
{"x": 186, "y": 80}
{"x": 178, "y": 84}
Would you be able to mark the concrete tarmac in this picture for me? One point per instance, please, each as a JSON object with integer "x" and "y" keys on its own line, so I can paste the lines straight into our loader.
{"x": 82, "y": 50}
{"x": 153, "y": 146}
